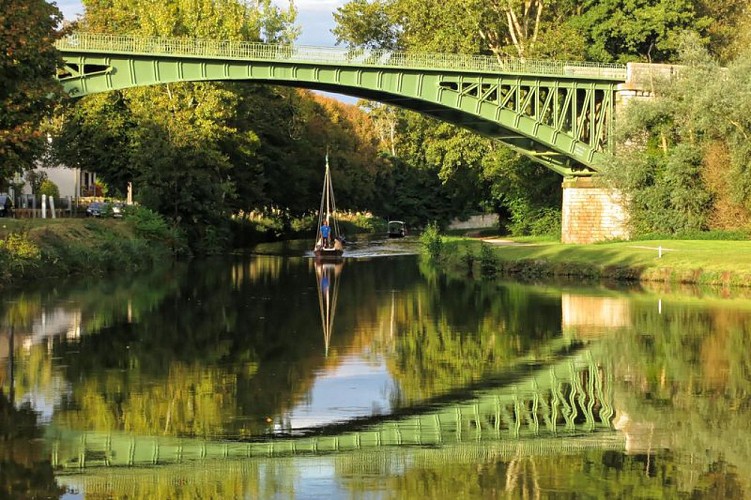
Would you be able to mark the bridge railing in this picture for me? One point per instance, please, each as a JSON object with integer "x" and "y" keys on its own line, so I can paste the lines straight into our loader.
{"x": 126, "y": 44}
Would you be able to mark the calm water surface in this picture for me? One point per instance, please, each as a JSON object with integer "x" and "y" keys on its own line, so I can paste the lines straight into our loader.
{"x": 268, "y": 376}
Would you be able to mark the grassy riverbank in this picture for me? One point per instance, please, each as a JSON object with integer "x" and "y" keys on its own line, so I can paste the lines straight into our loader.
{"x": 703, "y": 262}
{"x": 43, "y": 248}
{"x": 36, "y": 248}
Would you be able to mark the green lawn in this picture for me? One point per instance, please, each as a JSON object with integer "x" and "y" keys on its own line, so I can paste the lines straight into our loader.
{"x": 678, "y": 254}
{"x": 689, "y": 261}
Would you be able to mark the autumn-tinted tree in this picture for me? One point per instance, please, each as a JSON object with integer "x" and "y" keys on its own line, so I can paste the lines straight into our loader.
{"x": 28, "y": 90}
{"x": 685, "y": 153}
{"x": 730, "y": 29}
{"x": 460, "y": 160}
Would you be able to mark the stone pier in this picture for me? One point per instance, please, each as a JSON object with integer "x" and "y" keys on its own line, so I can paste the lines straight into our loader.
{"x": 591, "y": 213}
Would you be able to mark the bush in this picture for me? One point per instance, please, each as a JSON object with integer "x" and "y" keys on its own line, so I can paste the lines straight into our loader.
{"x": 214, "y": 240}
{"x": 534, "y": 221}
{"x": 432, "y": 240}
{"x": 488, "y": 262}
{"x": 469, "y": 260}
{"x": 18, "y": 252}
{"x": 150, "y": 225}
{"x": 49, "y": 188}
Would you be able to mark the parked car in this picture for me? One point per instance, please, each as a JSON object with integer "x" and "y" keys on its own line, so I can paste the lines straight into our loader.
{"x": 6, "y": 205}
{"x": 104, "y": 209}
{"x": 96, "y": 209}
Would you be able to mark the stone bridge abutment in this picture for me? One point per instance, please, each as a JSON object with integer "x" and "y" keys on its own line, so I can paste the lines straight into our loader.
{"x": 590, "y": 211}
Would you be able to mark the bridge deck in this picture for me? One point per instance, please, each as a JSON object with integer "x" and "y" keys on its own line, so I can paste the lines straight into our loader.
{"x": 240, "y": 50}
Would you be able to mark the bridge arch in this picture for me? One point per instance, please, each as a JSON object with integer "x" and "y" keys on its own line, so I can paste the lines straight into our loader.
{"x": 559, "y": 114}
{"x": 555, "y": 407}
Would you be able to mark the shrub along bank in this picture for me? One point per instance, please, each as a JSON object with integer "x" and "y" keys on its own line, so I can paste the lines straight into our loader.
{"x": 44, "y": 248}
{"x": 48, "y": 248}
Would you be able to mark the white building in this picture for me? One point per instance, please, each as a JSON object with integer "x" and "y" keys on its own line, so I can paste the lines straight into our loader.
{"x": 71, "y": 182}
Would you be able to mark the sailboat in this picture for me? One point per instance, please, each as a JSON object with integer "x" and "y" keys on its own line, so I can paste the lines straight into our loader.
{"x": 327, "y": 279}
{"x": 329, "y": 244}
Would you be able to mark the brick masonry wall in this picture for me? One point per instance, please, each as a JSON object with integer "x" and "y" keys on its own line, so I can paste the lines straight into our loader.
{"x": 591, "y": 213}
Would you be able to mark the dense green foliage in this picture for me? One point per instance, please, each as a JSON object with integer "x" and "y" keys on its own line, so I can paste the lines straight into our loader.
{"x": 200, "y": 153}
{"x": 28, "y": 91}
{"x": 203, "y": 153}
{"x": 684, "y": 155}
{"x": 671, "y": 196}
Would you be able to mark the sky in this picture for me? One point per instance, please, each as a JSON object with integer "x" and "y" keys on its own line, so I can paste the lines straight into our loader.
{"x": 314, "y": 16}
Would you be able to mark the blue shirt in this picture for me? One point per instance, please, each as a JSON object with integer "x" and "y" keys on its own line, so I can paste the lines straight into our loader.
{"x": 325, "y": 231}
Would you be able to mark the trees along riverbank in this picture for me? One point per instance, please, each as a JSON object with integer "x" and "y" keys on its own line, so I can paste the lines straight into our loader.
{"x": 47, "y": 248}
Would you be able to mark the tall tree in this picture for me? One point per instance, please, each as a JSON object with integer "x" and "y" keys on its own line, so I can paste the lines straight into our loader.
{"x": 640, "y": 30}
{"x": 466, "y": 181}
{"x": 505, "y": 28}
{"x": 28, "y": 90}
{"x": 730, "y": 30}
{"x": 183, "y": 146}
{"x": 365, "y": 24}
{"x": 511, "y": 23}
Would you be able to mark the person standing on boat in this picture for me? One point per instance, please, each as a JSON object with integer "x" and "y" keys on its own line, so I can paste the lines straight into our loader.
{"x": 326, "y": 233}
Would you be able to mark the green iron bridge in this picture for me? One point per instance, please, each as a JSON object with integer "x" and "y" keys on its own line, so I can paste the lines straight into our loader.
{"x": 560, "y": 114}
{"x": 561, "y": 408}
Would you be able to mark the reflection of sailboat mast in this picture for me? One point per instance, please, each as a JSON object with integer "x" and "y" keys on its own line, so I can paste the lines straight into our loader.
{"x": 327, "y": 275}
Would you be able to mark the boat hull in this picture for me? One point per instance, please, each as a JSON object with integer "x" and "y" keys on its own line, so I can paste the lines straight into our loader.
{"x": 324, "y": 254}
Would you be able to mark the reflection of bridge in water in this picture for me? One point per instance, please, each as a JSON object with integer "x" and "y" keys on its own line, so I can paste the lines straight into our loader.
{"x": 560, "y": 407}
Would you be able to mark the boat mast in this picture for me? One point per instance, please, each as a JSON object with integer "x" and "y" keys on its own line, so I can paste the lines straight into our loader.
{"x": 330, "y": 202}
{"x": 327, "y": 188}
{"x": 327, "y": 210}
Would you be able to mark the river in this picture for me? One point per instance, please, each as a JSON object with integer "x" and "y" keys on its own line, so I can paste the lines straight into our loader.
{"x": 268, "y": 376}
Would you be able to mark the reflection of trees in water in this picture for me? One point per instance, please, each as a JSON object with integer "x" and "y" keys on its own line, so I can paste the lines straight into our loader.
{"x": 193, "y": 365}
{"x": 500, "y": 472}
{"x": 25, "y": 469}
{"x": 684, "y": 380}
{"x": 200, "y": 362}
{"x": 448, "y": 339}
{"x": 43, "y": 326}
{"x": 192, "y": 401}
